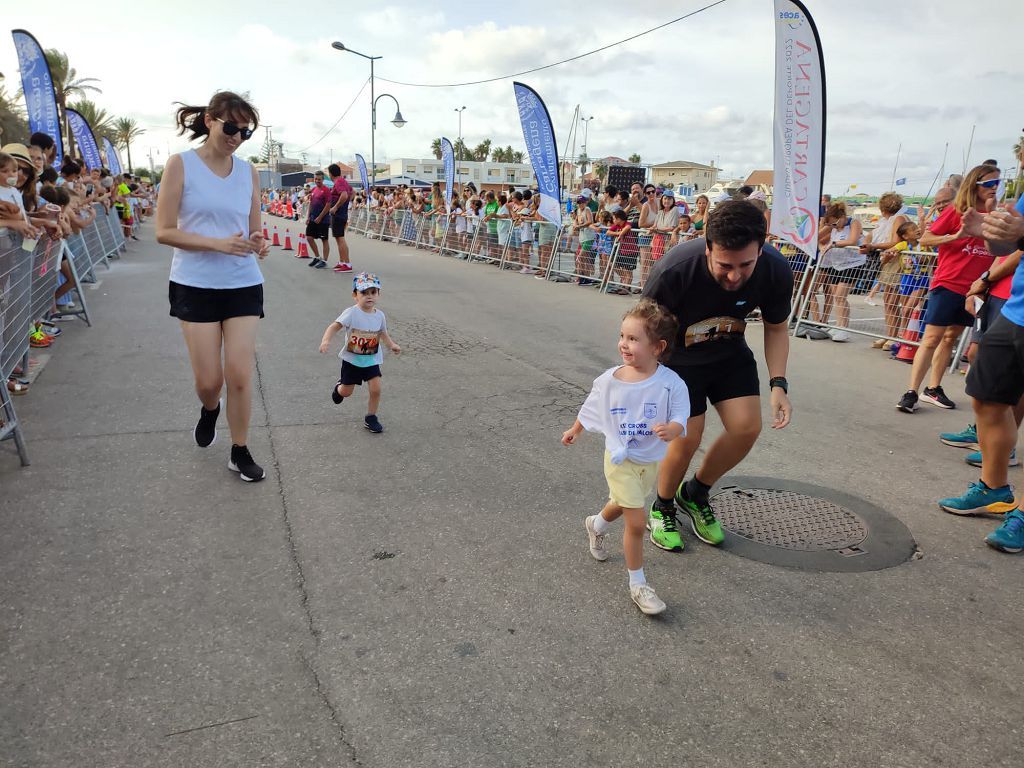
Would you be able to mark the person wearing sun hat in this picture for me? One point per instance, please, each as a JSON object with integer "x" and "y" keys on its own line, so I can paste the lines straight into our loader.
{"x": 365, "y": 328}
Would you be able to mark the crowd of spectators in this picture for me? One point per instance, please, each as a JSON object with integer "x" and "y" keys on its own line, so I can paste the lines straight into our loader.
{"x": 38, "y": 201}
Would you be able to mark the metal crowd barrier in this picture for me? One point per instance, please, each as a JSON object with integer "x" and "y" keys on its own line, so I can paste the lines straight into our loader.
{"x": 878, "y": 295}
{"x": 28, "y": 280}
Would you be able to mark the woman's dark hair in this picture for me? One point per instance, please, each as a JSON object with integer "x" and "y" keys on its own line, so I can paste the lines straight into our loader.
{"x": 28, "y": 189}
{"x": 41, "y": 140}
{"x": 735, "y": 224}
{"x": 621, "y": 215}
{"x": 502, "y": 199}
{"x": 611, "y": 191}
{"x": 527, "y": 194}
{"x": 70, "y": 167}
{"x": 48, "y": 176}
{"x": 56, "y": 195}
{"x": 224, "y": 104}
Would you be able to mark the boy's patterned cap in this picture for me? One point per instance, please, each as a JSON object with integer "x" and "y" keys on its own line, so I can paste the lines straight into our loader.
{"x": 364, "y": 281}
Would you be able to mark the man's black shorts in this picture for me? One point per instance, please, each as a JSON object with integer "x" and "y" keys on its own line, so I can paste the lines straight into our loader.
{"x": 727, "y": 379}
{"x": 320, "y": 231}
{"x": 338, "y": 224}
{"x": 997, "y": 374}
{"x": 356, "y": 374}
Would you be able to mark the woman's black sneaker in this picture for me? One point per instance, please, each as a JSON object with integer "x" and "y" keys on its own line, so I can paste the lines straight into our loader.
{"x": 936, "y": 396}
{"x": 205, "y": 433}
{"x": 373, "y": 424}
{"x": 242, "y": 463}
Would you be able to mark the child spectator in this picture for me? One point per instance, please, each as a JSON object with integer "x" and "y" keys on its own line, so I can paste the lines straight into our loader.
{"x": 626, "y": 260}
{"x": 640, "y": 407}
{"x": 365, "y": 327}
{"x": 916, "y": 268}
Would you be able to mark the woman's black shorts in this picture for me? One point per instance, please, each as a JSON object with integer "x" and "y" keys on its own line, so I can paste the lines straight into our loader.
{"x": 214, "y": 305}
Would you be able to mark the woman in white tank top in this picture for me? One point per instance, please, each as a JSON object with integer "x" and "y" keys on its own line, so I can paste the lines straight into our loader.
{"x": 209, "y": 210}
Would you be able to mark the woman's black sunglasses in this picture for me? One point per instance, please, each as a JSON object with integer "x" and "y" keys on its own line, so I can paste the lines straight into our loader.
{"x": 230, "y": 129}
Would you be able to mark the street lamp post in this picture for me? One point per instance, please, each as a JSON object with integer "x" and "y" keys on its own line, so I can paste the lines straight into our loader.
{"x": 398, "y": 121}
{"x": 586, "y": 133}
{"x": 460, "y": 110}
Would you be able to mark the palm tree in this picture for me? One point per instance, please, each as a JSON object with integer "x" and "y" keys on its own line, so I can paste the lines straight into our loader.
{"x": 98, "y": 119}
{"x": 634, "y": 158}
{"x": 1018, "y": 152}
{"x": 482, "y": 151}
{"x": 600, "y": 170}
{"x": 435, "y": 148}
{"x": 127, "y": 130}
{"x": 13, "y": 126}
{"x": 67, "y": 84}
{"x": 517, "y": 157}
{"x": 583, "y": 161}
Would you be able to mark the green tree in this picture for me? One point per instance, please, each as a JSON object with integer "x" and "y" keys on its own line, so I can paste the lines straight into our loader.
{"x": 583, "y": 161}
{"x": 127, "y": 130}
{"x": 13, "y": 125}
{"x": 67, "y": 85}
{"x": 517, "y": 156}
{"x": 101, "y": 122}
{"x": 461, "y": 150}
{"x": 435, "y": 148}
{"x": 601, "y": 171}
{"x": 1018, "y": 152}
{"x": 634, "y": 158}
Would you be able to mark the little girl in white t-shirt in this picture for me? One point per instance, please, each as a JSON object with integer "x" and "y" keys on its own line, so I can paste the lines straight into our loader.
{"x": 640, "y": 407}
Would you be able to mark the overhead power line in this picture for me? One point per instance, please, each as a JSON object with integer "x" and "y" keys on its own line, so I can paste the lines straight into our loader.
{"x": 338, "y": 121}
{"x": 557, "y": 63}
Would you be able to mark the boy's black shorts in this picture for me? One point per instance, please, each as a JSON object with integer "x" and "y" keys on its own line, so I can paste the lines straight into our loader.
{"x": 356, "y": 374}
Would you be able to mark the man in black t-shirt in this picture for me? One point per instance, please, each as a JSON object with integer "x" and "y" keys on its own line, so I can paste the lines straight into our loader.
{"x": 711, "y": 286}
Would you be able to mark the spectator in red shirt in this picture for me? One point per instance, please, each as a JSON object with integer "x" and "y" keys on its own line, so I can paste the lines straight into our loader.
{"x": 961, "y": 261}
{"x": 341, "y": 193}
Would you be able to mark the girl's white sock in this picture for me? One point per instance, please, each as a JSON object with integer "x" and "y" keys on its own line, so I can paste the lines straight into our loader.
{"x": 600, "y": 524}
{"x": 636, "y": 578}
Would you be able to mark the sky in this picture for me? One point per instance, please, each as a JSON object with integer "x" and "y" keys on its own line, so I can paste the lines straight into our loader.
{"x": 912, "y": 74}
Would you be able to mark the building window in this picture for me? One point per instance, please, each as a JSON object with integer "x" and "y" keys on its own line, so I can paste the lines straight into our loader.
{"x": 494, "y": 172}
{"x": 410, "y": 169}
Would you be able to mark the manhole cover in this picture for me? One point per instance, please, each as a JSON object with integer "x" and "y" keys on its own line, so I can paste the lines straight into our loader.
{"x": 785, "y": 522}
{"x": 787, "y": 519}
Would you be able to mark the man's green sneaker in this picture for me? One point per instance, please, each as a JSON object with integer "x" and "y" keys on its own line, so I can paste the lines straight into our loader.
{"x": 664, "y": 528}
{"x": 702, "y": 518}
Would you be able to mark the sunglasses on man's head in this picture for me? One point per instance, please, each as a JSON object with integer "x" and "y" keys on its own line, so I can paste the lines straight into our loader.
{"x": 230, "y": 129}
{"x": 989, "y": 184}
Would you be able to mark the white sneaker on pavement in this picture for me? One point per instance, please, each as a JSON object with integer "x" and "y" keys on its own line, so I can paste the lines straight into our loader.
{"x": 597, "y": 550}
{"x": 646, "y": 599}
{"x": 839, "y": 335}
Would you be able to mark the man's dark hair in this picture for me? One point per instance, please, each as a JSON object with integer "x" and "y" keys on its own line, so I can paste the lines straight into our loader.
{"x": 735, "y": 224}
{"x": 611, "y": 191}
{"x": 746, "y": 190}
{"x": 41, "y": 140}
{"x": 527, "y": 194}
{"x": 334, "y": 169}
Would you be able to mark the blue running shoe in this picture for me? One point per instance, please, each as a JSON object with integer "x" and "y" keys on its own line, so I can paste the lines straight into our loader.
{"x": 974, "y": 459}
{"x": 980, "y": 499}
{"x": 968, "y": 438}
{"x": 1008, "y": 537}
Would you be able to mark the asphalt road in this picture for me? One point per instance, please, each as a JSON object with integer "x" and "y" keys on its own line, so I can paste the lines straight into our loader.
{"x": 425, "y": 597}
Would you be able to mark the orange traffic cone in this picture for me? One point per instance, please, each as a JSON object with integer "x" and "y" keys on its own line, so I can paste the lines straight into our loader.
{"x": 289, "y": 212}
{"x": 276, "y": 240}
{"x": 287, "y": 240}
{"x": 303, "y": 250}
{"x": 266, "y": 235}
{"x": 912, "y": 333}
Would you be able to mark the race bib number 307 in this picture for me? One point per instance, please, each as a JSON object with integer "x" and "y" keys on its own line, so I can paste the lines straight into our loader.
{"x": 362, "y": 342}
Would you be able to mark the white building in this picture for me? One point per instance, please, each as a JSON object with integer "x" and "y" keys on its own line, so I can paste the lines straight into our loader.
{"x": 484, "y": 176}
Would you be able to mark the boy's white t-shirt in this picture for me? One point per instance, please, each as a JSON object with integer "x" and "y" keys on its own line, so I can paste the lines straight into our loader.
{"x": 362, "y": 332}
{"x": 626, "y": 412}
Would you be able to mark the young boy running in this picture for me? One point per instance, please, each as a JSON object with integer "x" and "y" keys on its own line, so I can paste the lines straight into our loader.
{"x": 640, "y": 407}
{"x": 365, "y": 328}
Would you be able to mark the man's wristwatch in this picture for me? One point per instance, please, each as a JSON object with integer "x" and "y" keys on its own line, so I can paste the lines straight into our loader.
{"x": 780, "y": 382}
{"x": 984, "y": 277}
